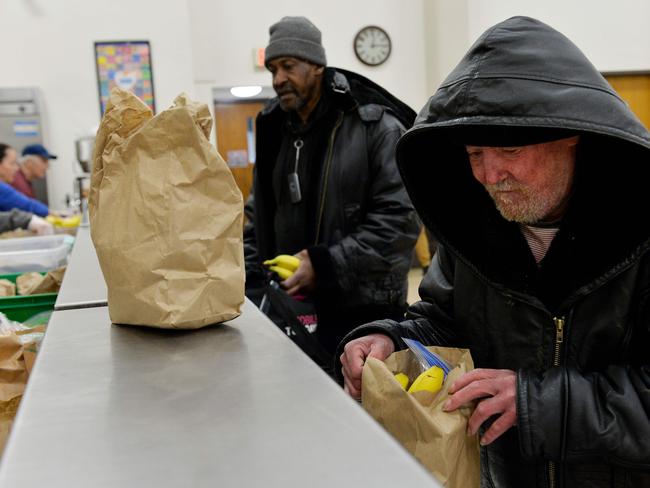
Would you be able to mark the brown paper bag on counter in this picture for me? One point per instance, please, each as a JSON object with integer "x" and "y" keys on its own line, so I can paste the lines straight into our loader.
{"x": 7, "y": 288}
{"x": 14, "y": 372}
{"x": 36, "y": 283}
{"x": 27, "y": 281}
{"x": 166, "y": 217}
{"x": 437, "y": 439}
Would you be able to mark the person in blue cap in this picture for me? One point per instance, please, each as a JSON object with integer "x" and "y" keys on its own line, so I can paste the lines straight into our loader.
{"x": 11, "y": 198}
{"x": 33, "y": 165}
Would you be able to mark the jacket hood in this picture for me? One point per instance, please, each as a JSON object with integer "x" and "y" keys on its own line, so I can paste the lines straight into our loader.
{"x": 354, "y": 90}
{"x": 366, "y": 92}
{"x": 521, "y": 80}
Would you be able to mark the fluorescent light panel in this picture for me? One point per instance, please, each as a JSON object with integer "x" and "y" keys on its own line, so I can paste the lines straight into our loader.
{"x": 245, "y": 91}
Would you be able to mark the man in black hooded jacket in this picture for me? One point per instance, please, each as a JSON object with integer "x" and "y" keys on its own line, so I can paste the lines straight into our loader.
{"x": 531, "y": 172}
{"x": 326, "y": 186}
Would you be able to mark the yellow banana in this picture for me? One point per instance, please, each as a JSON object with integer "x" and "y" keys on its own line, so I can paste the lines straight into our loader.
{"x": 431, "y": 380}
{"x": 57, "y": 221}
{"x": 402, "y": 379}
{"x": 281, "y": 272}
{"x": 285, "y": 261}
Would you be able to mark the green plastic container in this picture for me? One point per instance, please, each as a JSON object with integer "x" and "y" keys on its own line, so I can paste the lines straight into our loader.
{"x": 21, "y": 307}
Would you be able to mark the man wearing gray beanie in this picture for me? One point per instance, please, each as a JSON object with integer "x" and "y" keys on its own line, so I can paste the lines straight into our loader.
{"x": 327, "y": 190}
{"x": 296, "y": 37}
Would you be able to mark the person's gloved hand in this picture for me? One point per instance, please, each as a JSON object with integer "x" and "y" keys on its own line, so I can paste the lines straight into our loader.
{"x": 40, "y": 226}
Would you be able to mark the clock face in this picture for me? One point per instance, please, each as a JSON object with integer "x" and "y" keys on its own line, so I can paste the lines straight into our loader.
{"x": 372, "y": 45}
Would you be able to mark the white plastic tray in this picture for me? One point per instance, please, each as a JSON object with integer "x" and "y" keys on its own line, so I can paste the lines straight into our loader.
{"x": 41, "y": 253}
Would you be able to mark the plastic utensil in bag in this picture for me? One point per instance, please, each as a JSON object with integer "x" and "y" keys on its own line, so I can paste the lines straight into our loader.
{"x": 426, "y": 358}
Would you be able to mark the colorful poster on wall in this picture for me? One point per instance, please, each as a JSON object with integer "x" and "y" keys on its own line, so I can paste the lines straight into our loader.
{"x": 126, "y": 64}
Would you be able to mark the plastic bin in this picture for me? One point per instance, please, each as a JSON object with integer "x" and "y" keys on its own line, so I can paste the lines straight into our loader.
{"x": 22, "y": 307}
{"x": 42, "y": 253}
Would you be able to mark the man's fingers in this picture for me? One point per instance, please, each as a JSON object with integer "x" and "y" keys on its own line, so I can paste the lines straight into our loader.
{"x": 495, "y": 391}
{"x": 293, "y": 284}
{"x": 483, "y": 411}
{"x": 473, "y": 391}
{"x": 474, "y": 375}
{"x": 377, "y": 350}
{"x": 292, "y": 291}
{"x": 352, "y": 375}
{"x": 352, "y": 368}
{"x": 302, "y": 254}
{"x": 498, "y": 427}
{"x": 353, "y": 359}
{"x": 290, "y": 282}
{"x": 351, "y": 389}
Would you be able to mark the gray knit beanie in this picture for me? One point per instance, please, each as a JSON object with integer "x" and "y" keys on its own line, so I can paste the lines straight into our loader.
{"x": 296, "y": 37}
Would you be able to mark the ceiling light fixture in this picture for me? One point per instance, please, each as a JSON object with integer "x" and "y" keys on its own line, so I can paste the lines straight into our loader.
{"x": 245, "y": 91}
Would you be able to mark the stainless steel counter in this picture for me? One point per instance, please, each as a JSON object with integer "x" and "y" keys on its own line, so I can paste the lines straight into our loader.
{"x": 84, "y": 284}
{"x": 233, "y": 405}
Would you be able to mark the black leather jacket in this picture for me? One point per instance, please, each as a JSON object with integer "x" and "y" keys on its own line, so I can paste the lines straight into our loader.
{"x": 576, "y": 329}
{"x": 366, "y": 226}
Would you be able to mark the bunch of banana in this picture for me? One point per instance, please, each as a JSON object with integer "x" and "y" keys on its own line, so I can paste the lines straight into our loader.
{"x": 283, "y": 265}
{"x": 431, "y": 380}
{"x": 57, "y": 221}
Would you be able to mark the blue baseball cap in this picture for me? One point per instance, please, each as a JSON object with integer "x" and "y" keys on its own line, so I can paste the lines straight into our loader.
{"x": 38, "y": 150}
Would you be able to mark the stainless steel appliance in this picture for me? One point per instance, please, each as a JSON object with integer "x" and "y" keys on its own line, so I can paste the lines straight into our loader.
{"x": 21, "y": 124}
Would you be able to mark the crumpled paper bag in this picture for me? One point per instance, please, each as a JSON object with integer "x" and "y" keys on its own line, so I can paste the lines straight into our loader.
{"x": 166, "y": 217}
{"x": 17, "y": 353}
{"x": 34, "y": 283}
{"x": 437, "y": 439}
{"x": 7, "y": 288}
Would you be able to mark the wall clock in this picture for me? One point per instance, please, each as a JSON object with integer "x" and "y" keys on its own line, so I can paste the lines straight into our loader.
{"x": 372, "y": 45}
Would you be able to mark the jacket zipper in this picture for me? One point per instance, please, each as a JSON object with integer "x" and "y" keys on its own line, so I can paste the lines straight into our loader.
{"x": 328, "y": 163}
{"x": 559, "y": 339}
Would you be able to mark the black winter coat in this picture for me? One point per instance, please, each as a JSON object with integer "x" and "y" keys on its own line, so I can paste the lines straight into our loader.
{"x": 14, "y": 219}
{"x": 576, "y": 329}
{"x": 365, "y": 226}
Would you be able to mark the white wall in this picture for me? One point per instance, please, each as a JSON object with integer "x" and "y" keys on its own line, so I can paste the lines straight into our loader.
{"x": 614, "y": 35}
{"x": 446, "y": 28}
{"x": 49, "y": 44}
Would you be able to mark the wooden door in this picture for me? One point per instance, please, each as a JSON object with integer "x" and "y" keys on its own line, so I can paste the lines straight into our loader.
{"x": 635, "y": 90}
{"x": 233, "y": 121}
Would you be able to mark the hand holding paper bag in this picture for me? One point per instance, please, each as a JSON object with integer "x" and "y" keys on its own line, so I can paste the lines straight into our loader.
{"x": 438, "y": 439}
{"x": 166, "y": 217}
{"x": 354, "y": 356}
{"x": 495, "y": 390}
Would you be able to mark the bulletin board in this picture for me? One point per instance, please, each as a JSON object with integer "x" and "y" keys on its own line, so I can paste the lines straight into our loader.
{"x": 126, "y": 64}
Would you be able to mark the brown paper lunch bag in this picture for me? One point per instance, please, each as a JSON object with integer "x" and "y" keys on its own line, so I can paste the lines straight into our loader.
{"x": 166, "y": 217}
{"x": 16, "y": 361}
{"x": 436, "y": 438}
